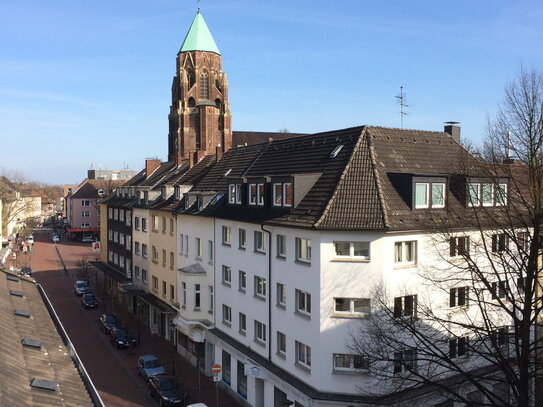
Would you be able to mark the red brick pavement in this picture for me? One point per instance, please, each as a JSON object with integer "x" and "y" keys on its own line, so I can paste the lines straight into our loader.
{"x": 112, "y": 371}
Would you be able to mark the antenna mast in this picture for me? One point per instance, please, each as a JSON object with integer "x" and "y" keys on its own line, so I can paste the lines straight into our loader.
{"x": 402, "y": 99}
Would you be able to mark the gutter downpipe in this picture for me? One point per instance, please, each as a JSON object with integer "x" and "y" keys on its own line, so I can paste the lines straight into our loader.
{"x": 269, "y": 292}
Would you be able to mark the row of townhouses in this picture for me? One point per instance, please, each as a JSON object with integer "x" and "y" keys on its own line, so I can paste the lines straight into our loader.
{"x": 265, "y": 258}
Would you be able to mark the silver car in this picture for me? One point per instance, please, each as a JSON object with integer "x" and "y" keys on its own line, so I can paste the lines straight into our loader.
{"x": 149, "y": 366}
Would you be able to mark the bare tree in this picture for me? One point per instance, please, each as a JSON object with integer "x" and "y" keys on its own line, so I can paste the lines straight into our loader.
{"x": 470, "y": 333}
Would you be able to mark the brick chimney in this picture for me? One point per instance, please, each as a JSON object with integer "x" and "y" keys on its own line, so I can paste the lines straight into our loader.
{"x": 151, "y": 164}
{"x": 453, "y": 129}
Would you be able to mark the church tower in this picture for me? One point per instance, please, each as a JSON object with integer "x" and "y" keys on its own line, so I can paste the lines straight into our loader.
{"x": 199, "y": 121}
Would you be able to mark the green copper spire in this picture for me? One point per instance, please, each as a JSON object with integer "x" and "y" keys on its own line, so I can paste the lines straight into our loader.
{"x": 199, "y": 38}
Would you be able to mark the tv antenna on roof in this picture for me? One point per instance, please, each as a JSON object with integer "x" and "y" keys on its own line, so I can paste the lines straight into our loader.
{"x": 402, "y": 99}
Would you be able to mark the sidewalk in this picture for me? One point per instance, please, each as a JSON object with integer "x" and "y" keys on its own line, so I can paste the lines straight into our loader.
{"x": 149, "y": 344}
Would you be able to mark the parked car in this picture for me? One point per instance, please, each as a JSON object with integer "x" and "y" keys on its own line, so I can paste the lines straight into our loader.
{"x": 55, "y": 238}
{"x": 167, "y": 391}
{"x": 30, "y": 239}
{"x": 88, "y": 300}
{"x": 81, "y": 287}
{"x": 27, "y": 271}
{"x": 121, "y": 338}
{"x": 149, "y": 365}
{"x": 108, "y": 322}
{"x": 87, "y": 239}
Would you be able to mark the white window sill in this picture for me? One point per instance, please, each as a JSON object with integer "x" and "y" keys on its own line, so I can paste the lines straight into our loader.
{"x": 349, "y": 259}
{"x": 303, "y": 366}
{"x": 303, "y": 314}
{"x": 351, "y": 315}
{"x": 260, "y": 297}
{"x": 399, "y": 266}
{"x": 259, "y": 341}
{"x": 364, "y": 372}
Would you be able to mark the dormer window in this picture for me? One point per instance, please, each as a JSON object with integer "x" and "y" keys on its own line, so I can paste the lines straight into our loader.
{"x": 234, "y": 193}
{"x": 429, "y": 195}
{"x": 146, "y": 197}
{"x": 256, "y": 194}
{"x": 282, "y": 194}
{"x": 486, "y": 194}
{"x": 177, "y": 193}
{"x": 199, "y": 202}
{"x": 132, "y": 191}
{"x": 163, "y": 192}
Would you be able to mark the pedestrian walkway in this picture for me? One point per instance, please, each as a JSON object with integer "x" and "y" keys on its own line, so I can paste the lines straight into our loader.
{"x": 205, "y": 392}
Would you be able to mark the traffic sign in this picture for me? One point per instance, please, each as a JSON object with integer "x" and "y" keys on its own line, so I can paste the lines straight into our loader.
{"x": 216, "y": 369}
{"x": 216, "y": 378}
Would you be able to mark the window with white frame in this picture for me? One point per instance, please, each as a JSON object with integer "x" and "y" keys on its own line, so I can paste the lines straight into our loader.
{"x": 184, "y": 294}
{"x": 226, "y": 314}
{"x": 137, "y": 272}
{"x": 405, "y": 252}
{"x": 352, "y": 306}
{"x": 256, "y": 194}
{"x": 499, "y": 242}
{"x": 136, "y": 223}
{"x": 116, "y": 236}
{"x": 116, "y": 258}
{"x": 137, "y": 248}
{"x": 155, "y": 223}
{"x": 197, "y": 296}
{"x": 110, "y": 234}
{"x": 121, "y": 261}
{"x": 128, "y": 218}
{"x": 226, "y": 274}
{"x": 144, "y": 275}
{"x": 155, "y": 254}
{"x": 85, "y": 214}
{"x": 226, "y": 235}
{"x": 352, "y": 250}
{"x": 85, "y": 225}
{"x": 242, "y": 323}
{"x": 144, "y": 224}
{"x": 172, "y": 260}
{"x": 303, "y": 354}
{"x": 198, "y": 247}
{"x": 259, "y": 241}
{"x": 121, "y": 215}
{"x": 281, "y": 343}
{"x": 458, "y": 347}
{"x": 429, "y": 195}
{"x": 242, "y": 238}
{"x": 128, "y": 242}
{"x": 486, "y": 194}
{"x": 234, "y": 193}
{"x": 242, "y": 278}
{"x": 260, "y": 286}
{"x": 172, "y": 227}
{"x": 459, "y": 297}
{"x": 116, "y": 214}
{"x": 110, "y": 255}
{"x": 85, "y": 202}
{"x": 260, "y": 331}
{"x": 281, "y": 246}
{"x": 459, "y": 246}
{"x": 405, "y": 306}
{"x": 122, "y": 239}
{"x": 278, "y": 194}
{"x": 144, "y": 250}
{"x": 303, "y": 249}
{"x": 155, "y": 283}
{"x": 281, "y": 294}
{"x": 164, "y": 227}
{"x": 110, "y": 213}
{"x": 350, "y": 363}
{"x": 498, "y": 290}
{"x": 210, "y": 250}
{"x": 303, "y": 302}
{"x": 405, "y": 361}
{"x": 211, "y": 298}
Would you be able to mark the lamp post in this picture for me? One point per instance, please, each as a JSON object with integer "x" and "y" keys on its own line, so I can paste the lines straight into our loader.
{"x": 174, "y": 347}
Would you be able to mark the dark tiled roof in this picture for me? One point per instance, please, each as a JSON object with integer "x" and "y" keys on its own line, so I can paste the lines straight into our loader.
{"x": 247, "y": 138}
{"x": 89, "y": 189}
{"x": 152, "y": 179}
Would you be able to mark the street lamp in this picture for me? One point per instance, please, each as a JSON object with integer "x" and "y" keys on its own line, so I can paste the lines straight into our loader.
{"x": 174, "y": 347}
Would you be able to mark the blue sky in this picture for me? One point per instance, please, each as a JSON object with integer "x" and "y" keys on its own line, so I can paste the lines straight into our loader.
{"x": 88, "y": 83}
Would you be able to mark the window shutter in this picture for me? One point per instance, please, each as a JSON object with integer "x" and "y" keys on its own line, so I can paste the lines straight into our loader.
{"x": 452, "y": 246}
{"x": 452, "y": 297}
{"x": 397, "y": 307}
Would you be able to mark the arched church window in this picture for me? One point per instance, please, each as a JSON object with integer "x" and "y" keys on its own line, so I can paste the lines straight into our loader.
{"x": 192, "y": 102}
{"x": 190, "y": 78}
{"x": 204, "y": 85}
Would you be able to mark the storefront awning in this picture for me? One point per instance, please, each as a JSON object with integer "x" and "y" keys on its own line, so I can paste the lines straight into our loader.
{"x": 82, "y": 230}
{"x": 110, "y": 272}
{"x": 194, "y": 329}
{"x": 163, "y": 307}
{"x": 130, "y": 288}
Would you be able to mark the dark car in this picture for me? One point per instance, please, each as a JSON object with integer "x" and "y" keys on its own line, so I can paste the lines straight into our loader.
{"x": 27, "y": 271}
{"x": 89, "y": 301}
{"x": 108, "y": 322}
{"x": 167, "y": 391}
{"x": 81, "y": 287}
{"x": 121, "y": 338}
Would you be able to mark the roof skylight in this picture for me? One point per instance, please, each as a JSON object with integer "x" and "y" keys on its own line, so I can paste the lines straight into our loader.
{"x": 336, "y": 151}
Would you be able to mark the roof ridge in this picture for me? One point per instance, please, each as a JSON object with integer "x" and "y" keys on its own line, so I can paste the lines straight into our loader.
{"x": 340, "y": 181}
